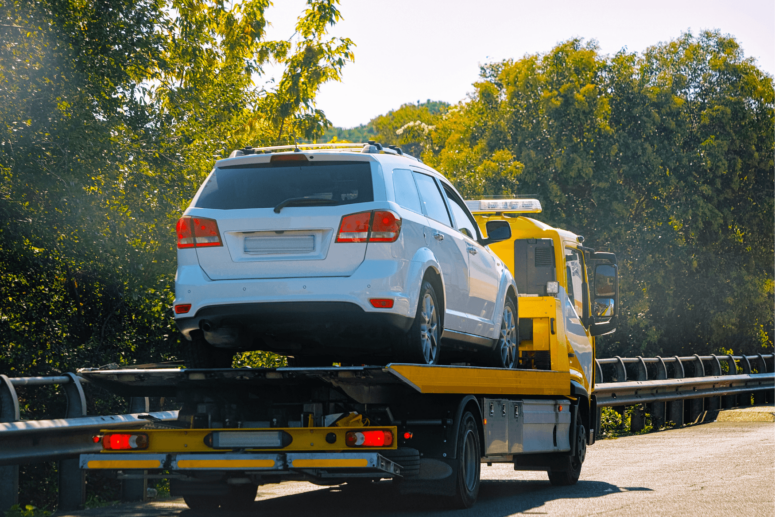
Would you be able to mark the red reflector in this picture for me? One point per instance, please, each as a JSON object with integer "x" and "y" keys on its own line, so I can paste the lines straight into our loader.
{"x": 185, "y": 235}
{"x": 123, "y": 442}
{"x": 354, "y": 228}
{"x": 183, "y": 308}
{"x": 386, "y": 226}
{"x": 288, "y": 157}
{"x": 369, "y": 438}
{"x": 197, "y": 232}
{"x": 408, "y": 435}
{"x": 382, "y": 303}
{"x": 96, "y": 439}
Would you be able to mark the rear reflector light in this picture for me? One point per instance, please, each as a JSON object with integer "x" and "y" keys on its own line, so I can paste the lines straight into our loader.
{"x": 249, "y": 439}
{"x": 183, "y": 308}
{"x": 124, "y": 442}
{"x": 198, "y": 232}
{"x": 369, "y": 438}
{"x": 382, "y": 303}
{"x": 288, "y": 157}
{"x": 377, "y": 226}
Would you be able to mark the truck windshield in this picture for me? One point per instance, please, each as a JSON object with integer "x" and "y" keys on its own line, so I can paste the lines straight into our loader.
{"x": 267, "y": 185}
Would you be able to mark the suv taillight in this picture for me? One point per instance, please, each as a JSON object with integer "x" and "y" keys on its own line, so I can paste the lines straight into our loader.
{"x": 197, "y": 232}
{"x": 376, "y": 226}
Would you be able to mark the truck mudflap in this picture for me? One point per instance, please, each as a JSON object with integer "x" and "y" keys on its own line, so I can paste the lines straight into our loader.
{"x": 317, "y": 464}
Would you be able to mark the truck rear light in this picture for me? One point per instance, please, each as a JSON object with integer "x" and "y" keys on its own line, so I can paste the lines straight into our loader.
{"x": 385, "y": 226}
{"x": 248, "y": 439}
{"x": 198, "y": 232}
{"x": 382, "y": 303}
{"x": 354, "y": 228}
{"x": 124, "y": 442}
{"x": 376, "y": 226}
{"x": 369, "y": 438}
{"x": 183, "y": 308}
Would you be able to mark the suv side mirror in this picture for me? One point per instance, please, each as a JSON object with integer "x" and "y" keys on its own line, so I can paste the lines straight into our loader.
{"x": 606, "y": 299}
{"x": 497, "y": 231}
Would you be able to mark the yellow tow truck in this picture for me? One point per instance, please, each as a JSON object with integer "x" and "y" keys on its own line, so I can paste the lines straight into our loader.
{"x": 427, "y": 429}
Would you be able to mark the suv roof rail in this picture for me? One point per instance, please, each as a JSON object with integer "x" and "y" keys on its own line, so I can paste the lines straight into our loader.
{"x": 368, "y": 147}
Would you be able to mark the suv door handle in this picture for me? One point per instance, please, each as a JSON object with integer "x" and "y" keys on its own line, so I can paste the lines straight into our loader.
{"x": 472, "y": 250}
{"x": 438, "y": 236}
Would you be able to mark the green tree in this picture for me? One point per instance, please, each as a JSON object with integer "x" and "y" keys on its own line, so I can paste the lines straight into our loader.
{"x": 665, "y": 158}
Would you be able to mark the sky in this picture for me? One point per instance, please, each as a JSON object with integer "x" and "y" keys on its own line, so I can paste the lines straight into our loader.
{"x": 415, "y": 50}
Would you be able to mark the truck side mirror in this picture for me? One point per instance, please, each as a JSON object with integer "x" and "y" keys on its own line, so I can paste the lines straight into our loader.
{"x": 606, "y": 300}
{"x": 497, "y": 231}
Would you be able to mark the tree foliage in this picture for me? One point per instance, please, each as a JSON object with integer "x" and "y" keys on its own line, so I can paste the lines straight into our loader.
{"x": 665, "y": 158}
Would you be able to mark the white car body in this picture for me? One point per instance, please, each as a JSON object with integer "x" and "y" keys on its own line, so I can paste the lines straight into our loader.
{"x": 281, "y": 282}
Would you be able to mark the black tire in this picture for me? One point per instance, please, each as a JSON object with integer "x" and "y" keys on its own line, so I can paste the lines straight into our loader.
{"x": 408, "y": 459}
{"x": 468, "y": 468}
{"x": 241, "y": 498}
{"x": 506, "y": 351}
{"x": 203, "y": 503}
{"x": 571, "y": 477}
{"x": 422, "y": 344}
{"x": 199, "y": 353}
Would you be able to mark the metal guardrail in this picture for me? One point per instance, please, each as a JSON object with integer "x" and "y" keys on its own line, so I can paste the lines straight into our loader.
{"x": 61, "y": 440}
{"x": 683, "y": 389}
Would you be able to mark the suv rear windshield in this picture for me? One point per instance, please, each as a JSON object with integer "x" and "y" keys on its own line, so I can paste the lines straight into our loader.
{"x": 267, "y": 185}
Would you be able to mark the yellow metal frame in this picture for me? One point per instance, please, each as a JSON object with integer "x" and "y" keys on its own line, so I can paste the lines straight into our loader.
{"x": 304, "y": 439}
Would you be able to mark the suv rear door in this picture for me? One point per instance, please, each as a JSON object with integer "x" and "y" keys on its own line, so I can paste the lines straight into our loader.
{"x": 262, "y": 239}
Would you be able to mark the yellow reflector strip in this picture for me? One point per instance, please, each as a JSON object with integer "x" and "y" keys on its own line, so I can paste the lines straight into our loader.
{"x": 124, "y": 464}
{"x": 215, "y": 464}
{"x": 330, "y": 463}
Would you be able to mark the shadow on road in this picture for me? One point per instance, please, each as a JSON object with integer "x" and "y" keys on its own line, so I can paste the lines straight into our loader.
{"x": 496, "y": 498}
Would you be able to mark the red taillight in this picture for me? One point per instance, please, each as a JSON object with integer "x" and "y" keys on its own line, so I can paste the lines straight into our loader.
{"x": 354, "y": 228}
{"x": 198, "y": 232}
{"x": 288, "y": 157}
{"x": 385, "y": 227}
{"x": 124, "y": 442}
{"x": 377, "y": 226}
{"x": 369, "y": 438}
{"x": 382, "y": 303}
{"x": 183, "y": 308}
{"x": 408, "y": 435}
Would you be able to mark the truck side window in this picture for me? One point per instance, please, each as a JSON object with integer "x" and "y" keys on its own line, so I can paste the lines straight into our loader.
{"x": 463, "y": 221}
{"x": 431, "y": 199}
{"x": 574, "y": 272}
{"x": 406, "y": 191}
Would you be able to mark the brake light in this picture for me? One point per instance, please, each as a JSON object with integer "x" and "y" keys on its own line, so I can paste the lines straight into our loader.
{"x": 123, "y": 442}
{"x": 198, "y": 232}
{"x": 288, "y": 157}
{"x": 385, "y": 227}
{"x": 376, "y": 226}
{"x": 382, "y": 303}
{"x": 369, "y": 438}
{"x": 354, "y": 228}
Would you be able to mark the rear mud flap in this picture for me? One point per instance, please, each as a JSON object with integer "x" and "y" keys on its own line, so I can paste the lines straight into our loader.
{"x": 436, "y": 477}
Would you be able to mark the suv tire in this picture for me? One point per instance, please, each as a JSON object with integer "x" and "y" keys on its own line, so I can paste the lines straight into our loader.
{"x": 422, "y": 344}
{"x": 506, "y": 351}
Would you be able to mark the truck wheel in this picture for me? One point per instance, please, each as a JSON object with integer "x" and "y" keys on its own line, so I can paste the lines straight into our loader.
{"x": 203, "y": 503}
{"x": 571, "y": 477}
{"x": 422, "y": 344}
{"x": 240, "y": 498}
{"x": 506, "y": 351}
{"x": 467, "y": 477}
{"x": 198, "y": 353}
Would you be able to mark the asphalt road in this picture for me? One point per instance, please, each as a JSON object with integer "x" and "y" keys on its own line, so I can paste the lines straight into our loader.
{"x": 715, "y": 469}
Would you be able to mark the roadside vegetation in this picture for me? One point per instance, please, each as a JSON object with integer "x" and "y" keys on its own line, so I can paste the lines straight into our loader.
{"x": 112, "y": 112}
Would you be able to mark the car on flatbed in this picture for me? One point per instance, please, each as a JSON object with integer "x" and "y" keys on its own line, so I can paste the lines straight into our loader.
{"x": 305, "y": 250}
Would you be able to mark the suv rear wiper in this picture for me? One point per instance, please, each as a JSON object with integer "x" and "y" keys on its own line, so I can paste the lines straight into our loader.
{"x": 304, "y": 201}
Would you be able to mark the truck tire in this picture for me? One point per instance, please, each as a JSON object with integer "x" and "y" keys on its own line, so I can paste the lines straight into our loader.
{"x": 198, "y": 353}
{"x": 203, "y": 503}
{"x": 506, "y": 351}
{"x": 571, "y": 477}
{"x": 468, "y": 468}
{"x": 422, "y": 344}
{"x": 408, "y": 459}
{"x": 239, "y": 498}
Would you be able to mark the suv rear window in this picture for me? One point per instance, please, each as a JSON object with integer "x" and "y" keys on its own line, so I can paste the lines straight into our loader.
{"x": 267, "y": 185}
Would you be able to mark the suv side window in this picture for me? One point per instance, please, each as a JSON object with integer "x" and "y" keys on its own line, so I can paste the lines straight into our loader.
{"x": 574, "y": 272}
{"x": 464, "y": 223}
{"x": 405, "y": 190}
{"x": 432, "y": 201}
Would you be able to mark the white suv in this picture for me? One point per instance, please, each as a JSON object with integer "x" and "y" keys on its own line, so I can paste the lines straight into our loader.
{"x": 351, "y": 254}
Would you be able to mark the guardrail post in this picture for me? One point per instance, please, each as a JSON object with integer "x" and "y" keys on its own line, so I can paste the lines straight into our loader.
{"x": 675, "y": 408}
{"x": 136, "y": 489}
{"x": 638, "y": 418}
{"x": 9, "y": 476}
{"x": 714, "y": 403}
{"x": 696, "y": 407}
{"x": 760, "y": 397}
{"x": 72, "y": 480}
{"x": 658, "y": 410}
{"x": 621, "y": 376}
{"x": 730, "y": 401}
